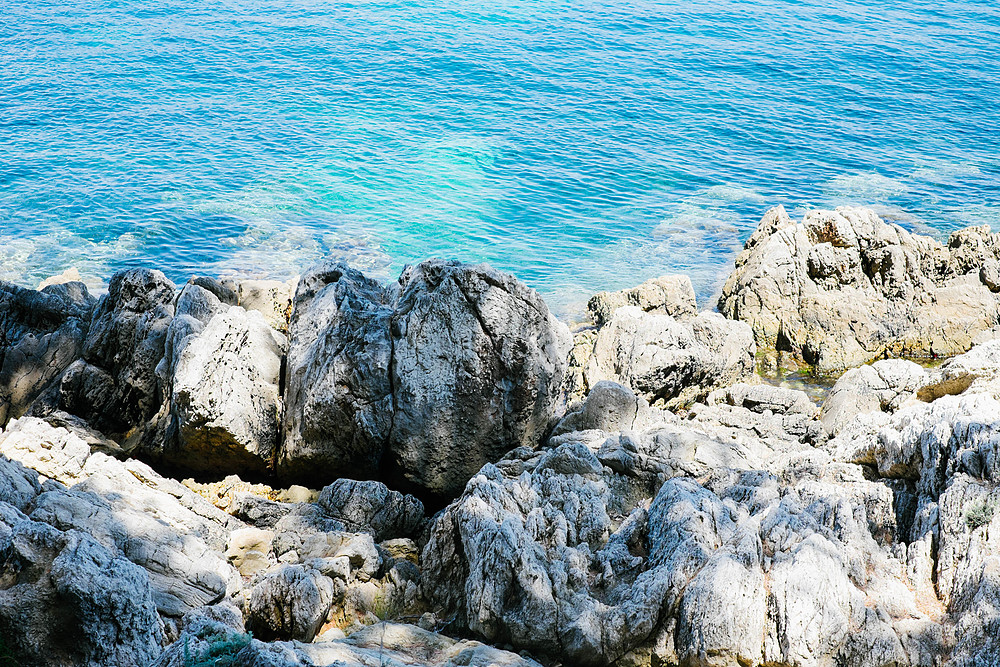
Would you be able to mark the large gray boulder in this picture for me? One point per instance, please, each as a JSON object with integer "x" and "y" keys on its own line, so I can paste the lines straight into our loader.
{"x": 114, "y": 386}
{"x": 369, "y": 506}
{"x": 224, "y": 378}
{"x": 842, "y": 288}
{"x": 290, "y": 602}
{"x": 423, "y": 381}
{"x": 41, "y": 334}
{"x": 66, "y": 600}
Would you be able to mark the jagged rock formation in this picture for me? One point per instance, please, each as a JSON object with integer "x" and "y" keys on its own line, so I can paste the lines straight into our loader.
{"x": 652, "y": 339}
{"x": 425, "y": 380}
{"x": 842, "y": 288}
{"x": 41, "y": 333}
{"x": 749, "y": 527}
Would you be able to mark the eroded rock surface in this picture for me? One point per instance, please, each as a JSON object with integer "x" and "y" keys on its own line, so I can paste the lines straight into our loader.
{"x": 690, "y": 542}
{"x": 842, "y": 288}
{"x": 425, "y": 380}
{"x": 41, "y": 334}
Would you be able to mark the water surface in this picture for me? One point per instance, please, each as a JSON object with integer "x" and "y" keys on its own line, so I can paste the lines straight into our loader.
{"x": 582, "y": 146}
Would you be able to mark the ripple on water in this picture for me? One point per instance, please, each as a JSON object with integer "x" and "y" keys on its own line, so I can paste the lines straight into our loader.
{"x": 582, "y": 147}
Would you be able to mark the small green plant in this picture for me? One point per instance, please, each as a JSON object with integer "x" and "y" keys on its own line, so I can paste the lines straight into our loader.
{"x": 979, "y": 513}
{"x": 222, "y": 650}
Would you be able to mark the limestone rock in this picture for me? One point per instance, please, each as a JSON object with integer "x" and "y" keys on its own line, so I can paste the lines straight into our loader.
{"x": 370, "y": 506}
{"x": 41, "y": 334}
{"x": 176, "y": 536}
{"x": 670, "y": 360}
{"x": 225, "y": 395}
{"x": 667, "y": 295}
{"x": 114, "y": 387}
{"x": 843, "y": 288}
{"x": 289, "y": 603}
{"x": 66, "y": 600}
{"x": 884, "y": 386}
{"x": 383, "y": 644}
{"x": 271, "y": 298}
{"x": 424, "y": 381}
{"x": 249, "y": 550}
{"x": 583, "y": 553}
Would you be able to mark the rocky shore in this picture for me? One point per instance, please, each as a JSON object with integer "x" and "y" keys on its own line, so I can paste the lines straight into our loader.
{"x": 335, "y": 471}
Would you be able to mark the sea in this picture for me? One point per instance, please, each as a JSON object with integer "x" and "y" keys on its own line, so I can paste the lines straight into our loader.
{"x": 582, "y": 146}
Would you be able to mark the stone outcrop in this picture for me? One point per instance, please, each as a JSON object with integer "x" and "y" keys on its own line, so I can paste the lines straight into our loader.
{"x": 41, "y": 334}
{"x": 114, "y": 386}
{"x": 176, "y": 536}
{"x": 425, "y": 380}
{"x": 842, "y": 288}
{"x": 66, "y": 600}
{"x": 220, "y": 636}
{"x": 678, "y": 542}
{"x": 666, "y": 295}
{"x": 674, "y": 360}
{"x": 223, "y": 367}
{"x": 942, "y": 460}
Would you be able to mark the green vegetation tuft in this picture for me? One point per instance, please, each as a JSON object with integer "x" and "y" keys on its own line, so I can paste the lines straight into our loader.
{"x": 979, "y": 513}
{"x": 222, "y": 650}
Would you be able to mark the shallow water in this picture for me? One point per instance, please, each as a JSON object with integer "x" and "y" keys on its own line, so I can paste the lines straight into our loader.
{"x": 582, "y": 146}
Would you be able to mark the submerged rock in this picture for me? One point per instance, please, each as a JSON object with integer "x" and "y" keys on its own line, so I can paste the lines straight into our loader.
{"x": 843, "y": 288}
{"x": 425, "y": 380}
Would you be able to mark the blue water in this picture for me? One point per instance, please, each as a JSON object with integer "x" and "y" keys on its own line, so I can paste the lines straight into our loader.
{"x": 582, "y": 146}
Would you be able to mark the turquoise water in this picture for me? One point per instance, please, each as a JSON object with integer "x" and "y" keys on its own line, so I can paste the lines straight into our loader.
{"x": 582, "y": 146}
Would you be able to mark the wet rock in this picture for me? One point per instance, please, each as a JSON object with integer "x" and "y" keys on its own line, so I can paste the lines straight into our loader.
{"x": 843, "y": 288}
{"x": 41, "y": 334}
{"x": 423, "y": 381}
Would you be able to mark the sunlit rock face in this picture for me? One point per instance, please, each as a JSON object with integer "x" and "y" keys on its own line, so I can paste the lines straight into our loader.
{"x": 843, "y": 288}
{"x": 423, "y": 381}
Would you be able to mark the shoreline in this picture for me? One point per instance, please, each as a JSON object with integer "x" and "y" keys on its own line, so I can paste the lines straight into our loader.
{"x": 440, "y": 458}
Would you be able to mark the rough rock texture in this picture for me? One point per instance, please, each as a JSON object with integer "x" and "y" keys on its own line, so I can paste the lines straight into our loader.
{"x": 372, "y": 507}
{"x": 884, "y": 386}
{"x": 843, "y": 288}
{"x": 664, "y": 358}
{"x": 114, "y": 387}
{"x": 66, "y": 600}
{"x": 178, "y": 537}
{"x": 667, "y": 295}
{"x": 289, "y": 603}
{"x": 690, "y": 542}
{"x": 427, "y": 379}
{"x": 225, "y": 398}
{"x": 41, "y": 334}
{"x": 944, "y": 459}
{"x": 381, "y": 645}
